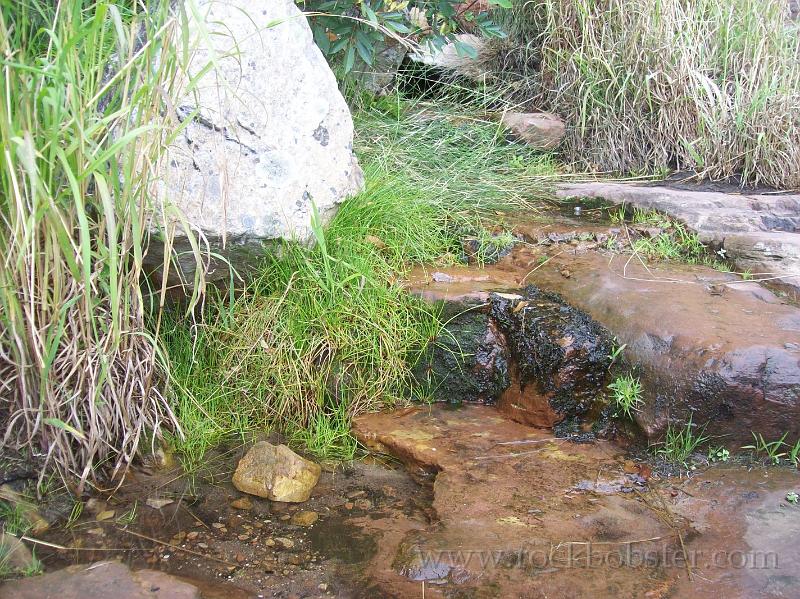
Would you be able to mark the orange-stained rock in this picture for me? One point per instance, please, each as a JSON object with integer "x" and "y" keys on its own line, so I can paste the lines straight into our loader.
{"x": 100, "y": 581}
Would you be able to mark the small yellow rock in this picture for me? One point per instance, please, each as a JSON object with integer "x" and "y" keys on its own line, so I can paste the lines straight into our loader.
{"x": 277, "y": 473}
{"x": 304, "y": 518}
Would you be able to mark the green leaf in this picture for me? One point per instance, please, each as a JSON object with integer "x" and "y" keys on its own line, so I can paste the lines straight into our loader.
{"x": 500, "y": 3}
{"x": 370, "y": 14}
{"x": 365, "y": 47}
{"x": 339, "y": 45}
{"x": 321, "y": 38}
{"x": 349, "y": 59}
{"x": 64, "y": 426}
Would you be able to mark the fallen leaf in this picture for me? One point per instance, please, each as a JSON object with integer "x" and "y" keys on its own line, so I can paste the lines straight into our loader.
{"x": 157, "y": 503}
{"x": 105, "y": 515}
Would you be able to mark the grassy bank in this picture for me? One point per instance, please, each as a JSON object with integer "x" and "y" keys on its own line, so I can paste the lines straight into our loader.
{"x": 328, "y": 332}
{"x": 702, "y": 85}
{"x": 91, "y": 370}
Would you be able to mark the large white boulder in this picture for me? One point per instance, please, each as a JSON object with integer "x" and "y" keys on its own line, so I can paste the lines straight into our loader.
{"x": 269, "y": 132}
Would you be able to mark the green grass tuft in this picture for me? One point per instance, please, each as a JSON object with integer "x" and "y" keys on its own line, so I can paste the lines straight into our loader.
{"x": 83, "y": 116}
{"x": 626, "y": 394}
{"x": 681, "y": 442}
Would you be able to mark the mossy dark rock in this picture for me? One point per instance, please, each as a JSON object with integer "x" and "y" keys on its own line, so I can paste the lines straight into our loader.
{"x": 705, "y": 345}
{"x": 535, "y": 356}
{"x": 469, "y": 361}
{"x": 559, "y": 356}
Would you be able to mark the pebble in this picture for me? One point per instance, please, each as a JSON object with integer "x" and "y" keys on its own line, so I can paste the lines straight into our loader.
{"x": 240, "y": 558}
{"x": 243, "y": 537}
{"x": 355, "y": 494}
{"x": 286, "y": 543}
{"x": 95, "y": 505}
{"x": 157, "y": 503}
{"x": 218, "y": 525}
{"x": 348, "y": 505}
{"x": 304, "y": 518}
{"x": 363, "y": 504}
{"x": 202, "y": 545}
{"x": 270, "y": 542}
{"x": 243, "y": 503}
{"x": 191, "y": 536}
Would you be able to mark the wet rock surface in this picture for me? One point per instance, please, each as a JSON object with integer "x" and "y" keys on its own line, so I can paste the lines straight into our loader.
{"x": 705, "y": 344}
{"x": 100, "y": 581}
{"x": 470, "y": 363}
{"x": 520, "y": 513}
{"x": 504, "y": 496}
{"x": 746, "y": 541}
{"x": 710, "y": 213}
{"x": 559, "y": 357}
{"x": 759, "y": 231}
{"x": 768, "y": 256}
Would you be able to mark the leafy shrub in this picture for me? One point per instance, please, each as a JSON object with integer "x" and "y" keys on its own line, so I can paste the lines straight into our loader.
{"x": 355, "y": 29}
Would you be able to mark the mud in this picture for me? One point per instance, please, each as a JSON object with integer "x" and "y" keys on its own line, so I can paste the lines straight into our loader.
{"x": 232, "y": 553}
{"x": 477, "y": 506}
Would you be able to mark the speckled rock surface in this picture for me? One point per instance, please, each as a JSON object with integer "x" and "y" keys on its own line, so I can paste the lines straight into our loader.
{"x": 270, "y": 136}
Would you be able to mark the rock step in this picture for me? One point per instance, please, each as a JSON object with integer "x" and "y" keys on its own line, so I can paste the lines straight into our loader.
{"x": 523, "y": 514}
{"x": 704, "y": 344}
{"x": 759, "y": 232}
{"x": 503, "y": 488}
{"x": 100, "y": 581}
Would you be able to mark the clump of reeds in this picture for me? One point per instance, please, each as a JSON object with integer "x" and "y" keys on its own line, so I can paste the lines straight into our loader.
{"x": 83, "y": 123}
{"x": 703, "y": 85}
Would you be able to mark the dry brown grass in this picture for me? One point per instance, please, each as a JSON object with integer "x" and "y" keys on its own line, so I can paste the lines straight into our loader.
{"x": 702, "y": 85}
{"x": 81, "y": 377}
